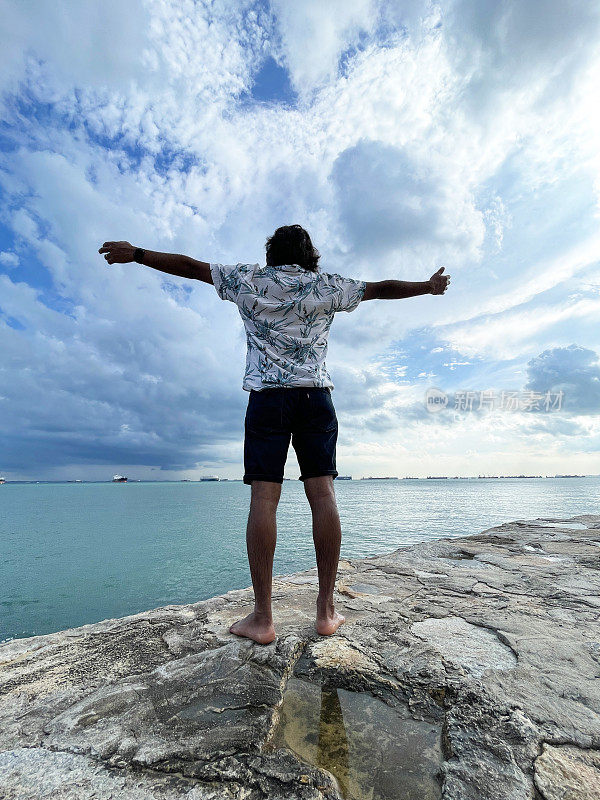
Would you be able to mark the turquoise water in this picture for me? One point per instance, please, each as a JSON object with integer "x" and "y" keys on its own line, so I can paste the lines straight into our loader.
{"x": 77, "y": 553}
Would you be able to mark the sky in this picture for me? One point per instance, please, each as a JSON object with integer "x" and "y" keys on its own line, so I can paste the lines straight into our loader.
{"x": 403, "y": 136}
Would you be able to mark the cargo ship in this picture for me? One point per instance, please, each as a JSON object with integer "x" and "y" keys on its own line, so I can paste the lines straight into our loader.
{"x": 119, "y": 479}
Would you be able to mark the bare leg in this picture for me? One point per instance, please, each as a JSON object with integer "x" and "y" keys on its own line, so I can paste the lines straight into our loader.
{"x": 327, "y": 536}
{"x": 261, "y": 536}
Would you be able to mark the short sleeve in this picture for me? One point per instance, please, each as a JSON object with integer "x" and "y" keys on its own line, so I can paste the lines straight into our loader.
{"x": 227, "y": 279}
{"x": 349, "y": 292}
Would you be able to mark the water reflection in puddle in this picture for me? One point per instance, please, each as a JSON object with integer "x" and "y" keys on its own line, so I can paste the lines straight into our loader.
{"x": 375, "y": 752}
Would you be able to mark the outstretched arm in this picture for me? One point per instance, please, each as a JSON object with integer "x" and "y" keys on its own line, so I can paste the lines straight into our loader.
{"x": 395, "y": 290}
{"x": 172, "y": 263}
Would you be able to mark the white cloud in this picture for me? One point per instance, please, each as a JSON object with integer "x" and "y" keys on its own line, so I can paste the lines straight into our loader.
{"x": 9, "y": 258}
{"x": 502, "y": 336}
{"x": 528, "y": 284}
{"x": 85, "y": 43}
{"x": 389, "y": 200}
{"x": 573, "y": 370}
{"x": 504, "y": 46}
{"x": 314, "y": 34}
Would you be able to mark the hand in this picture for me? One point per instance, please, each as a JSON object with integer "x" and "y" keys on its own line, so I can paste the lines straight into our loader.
{"x": 439, "y": 283}
{"x": 118, "y": 252}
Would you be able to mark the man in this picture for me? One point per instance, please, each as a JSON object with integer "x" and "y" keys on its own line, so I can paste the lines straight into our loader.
{"x": 287, "y": 308}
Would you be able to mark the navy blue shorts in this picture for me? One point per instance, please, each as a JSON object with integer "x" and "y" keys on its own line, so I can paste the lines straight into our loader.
{"x": 304, "y": 414}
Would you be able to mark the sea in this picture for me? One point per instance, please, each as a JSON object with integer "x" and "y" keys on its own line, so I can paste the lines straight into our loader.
{"x": 75, "y": 553}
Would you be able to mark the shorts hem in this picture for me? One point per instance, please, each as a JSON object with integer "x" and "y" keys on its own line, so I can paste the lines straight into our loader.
{"x": 257, "y": 476}
{"x": 333, "y": 472}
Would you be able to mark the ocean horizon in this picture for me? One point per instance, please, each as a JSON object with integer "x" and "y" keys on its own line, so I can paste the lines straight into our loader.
{"x": 73, "y": 553}
{"x": 340, "y": 477}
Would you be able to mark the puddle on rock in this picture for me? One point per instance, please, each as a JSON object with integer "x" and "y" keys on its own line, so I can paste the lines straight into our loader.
{"x": 375, "y": 752}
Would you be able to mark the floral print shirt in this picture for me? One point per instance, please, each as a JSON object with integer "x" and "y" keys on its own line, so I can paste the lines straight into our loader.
{"x": 287, "y": 312}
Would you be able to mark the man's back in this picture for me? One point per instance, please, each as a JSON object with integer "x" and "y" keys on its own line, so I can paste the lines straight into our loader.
{"x": 287, "y": 312}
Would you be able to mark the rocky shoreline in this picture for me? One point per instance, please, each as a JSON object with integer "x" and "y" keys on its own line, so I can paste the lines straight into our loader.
{"x": 467, "y": 669}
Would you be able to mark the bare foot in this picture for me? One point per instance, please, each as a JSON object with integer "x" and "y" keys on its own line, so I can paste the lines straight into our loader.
{"x": 328, "y": 620}
{"x": 255, "y": 627}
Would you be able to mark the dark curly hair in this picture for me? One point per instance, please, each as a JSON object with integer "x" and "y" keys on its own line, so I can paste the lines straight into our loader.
{"x": 291, "y": 244}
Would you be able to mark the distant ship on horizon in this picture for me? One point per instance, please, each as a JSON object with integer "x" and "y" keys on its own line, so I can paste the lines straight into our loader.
{"x": 383, "y": 478}
{"x": 2, "y": 479}
{"x": 344, "y": 478}
{"x": 119, "y": 479}
{"x": 210, "y": 478}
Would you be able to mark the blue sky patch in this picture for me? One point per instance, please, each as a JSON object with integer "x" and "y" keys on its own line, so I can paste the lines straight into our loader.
{"x": 271, "y": 85}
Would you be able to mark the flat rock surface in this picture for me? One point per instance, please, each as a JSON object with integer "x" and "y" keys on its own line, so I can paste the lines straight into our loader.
{"x": 467, "y": 669}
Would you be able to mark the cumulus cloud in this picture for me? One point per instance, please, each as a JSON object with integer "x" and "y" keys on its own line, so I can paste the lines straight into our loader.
{"x": 574, "y": 370}
{"x": 314, "y": 34}
{"x": 388, "y": 200}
